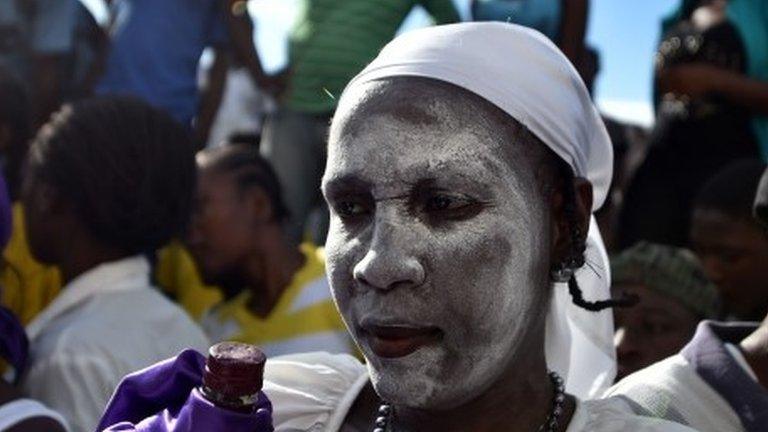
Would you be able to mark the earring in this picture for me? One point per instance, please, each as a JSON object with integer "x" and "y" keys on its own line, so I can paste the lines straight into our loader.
{"x": 562, "y": 273}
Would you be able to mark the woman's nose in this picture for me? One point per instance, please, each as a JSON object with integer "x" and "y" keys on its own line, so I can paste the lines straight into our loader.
{"x": 391, "y": 260}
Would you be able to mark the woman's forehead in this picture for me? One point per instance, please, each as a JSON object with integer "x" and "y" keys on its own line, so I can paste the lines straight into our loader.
{"x": 389, "y": 153}
{"x": 409, "y": 128}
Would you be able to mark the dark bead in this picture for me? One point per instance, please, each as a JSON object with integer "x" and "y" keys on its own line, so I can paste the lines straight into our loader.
{"x": 379, "y": 430}
{"x": 381, "y": 422}
{"x": 385, "y": 409}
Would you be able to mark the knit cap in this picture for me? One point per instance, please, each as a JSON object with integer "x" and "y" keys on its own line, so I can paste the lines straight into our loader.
{"x": 669, "y": 271}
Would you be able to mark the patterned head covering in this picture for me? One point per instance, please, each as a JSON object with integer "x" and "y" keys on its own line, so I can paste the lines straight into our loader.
{"x": 669, "y": 271}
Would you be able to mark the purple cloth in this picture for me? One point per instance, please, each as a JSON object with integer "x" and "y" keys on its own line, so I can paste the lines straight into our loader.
{"x": 14, "y": 346}
{"x": 164, "y": 398}
{"x": 13, "y": 340}
{"x": 6, "y": 215}
{"x": 707, "y": 354}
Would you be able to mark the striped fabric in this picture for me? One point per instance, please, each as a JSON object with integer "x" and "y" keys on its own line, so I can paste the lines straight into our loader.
{"x": 333, "y": 40}
{"x": 305, "y": 318}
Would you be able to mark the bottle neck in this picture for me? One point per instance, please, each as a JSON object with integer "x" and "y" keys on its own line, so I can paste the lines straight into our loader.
{"x": 244, "y": 404}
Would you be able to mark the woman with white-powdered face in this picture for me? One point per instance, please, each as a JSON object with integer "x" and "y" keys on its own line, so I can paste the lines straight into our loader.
{"x": 454, "y": 211}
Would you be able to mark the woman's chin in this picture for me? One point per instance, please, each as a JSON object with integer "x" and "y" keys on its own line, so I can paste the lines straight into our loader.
{"x": 420, "y": 380}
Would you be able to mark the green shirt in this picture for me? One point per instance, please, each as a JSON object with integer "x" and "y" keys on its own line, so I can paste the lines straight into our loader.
{"x": 334, "y": 40}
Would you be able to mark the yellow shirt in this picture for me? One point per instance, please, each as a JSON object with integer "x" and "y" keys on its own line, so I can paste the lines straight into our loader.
{"x": 178, "y": 276}
{"x": 28, "y": 286}
{"x": 305, "y": 318}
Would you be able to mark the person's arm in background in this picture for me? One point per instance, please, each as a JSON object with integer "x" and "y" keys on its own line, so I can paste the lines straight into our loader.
{"x": 99, "y": 43}
{"x": 573, "y": 29}
{"x": 212, "y": 94}
{"x": 240, "y": 28}
{"x": 442, "y": 11}
{"x": 53, "y": 28}
{"x": 220, "y": 40}
{"x": 699, "y": 79}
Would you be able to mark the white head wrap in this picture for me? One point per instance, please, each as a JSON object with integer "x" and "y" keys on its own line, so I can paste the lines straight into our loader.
{"x": 523, "y": 73}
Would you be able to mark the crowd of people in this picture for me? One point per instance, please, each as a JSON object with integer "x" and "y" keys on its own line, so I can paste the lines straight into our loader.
{"x": 434, "y": 231}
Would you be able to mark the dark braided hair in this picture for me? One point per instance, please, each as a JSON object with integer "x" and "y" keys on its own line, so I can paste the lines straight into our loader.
{"x": 249, "y": 168}
{"x": 15, "y": 114}
{"x": 578, "y": 245}
{"x": 127, "y": 168}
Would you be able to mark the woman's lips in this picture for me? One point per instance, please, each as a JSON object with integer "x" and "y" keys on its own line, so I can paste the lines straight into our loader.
{"x": 393, "y": 341}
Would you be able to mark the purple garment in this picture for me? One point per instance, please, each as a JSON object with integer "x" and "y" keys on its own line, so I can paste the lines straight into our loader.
{"x": 707, "y": 354}
{"x": 164, "y": 398}
{"x": 6, "y": 215}
{"x": 14, "y": 346}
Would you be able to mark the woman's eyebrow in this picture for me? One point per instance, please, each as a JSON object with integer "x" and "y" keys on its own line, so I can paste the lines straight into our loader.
{"x": 344, "y": 183}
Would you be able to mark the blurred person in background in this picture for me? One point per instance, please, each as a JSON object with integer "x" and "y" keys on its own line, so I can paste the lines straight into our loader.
{"x": 249, "y": 92}
{"x": 276, "y": 295}
{"x": 711, "y": 96}
{"x": 730, "y": 243}
{"x": 153, "y": 50}
{"x": 17, "y": 414}
{"x": 107, "y": 181}
{"x": 28, "y": 286}
{"x": 36, "y": 45}
{"x": 719, "y": 381}
{"x": 330, "y": 43}
{"x": 674, "y": 295}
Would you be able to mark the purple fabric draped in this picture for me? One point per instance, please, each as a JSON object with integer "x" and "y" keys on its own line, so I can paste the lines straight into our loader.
{"x": 164, "y": 398}
{"x": 13, "y": 339}
{"x": 14, "y": 346}
{"x": 6, "y": 214}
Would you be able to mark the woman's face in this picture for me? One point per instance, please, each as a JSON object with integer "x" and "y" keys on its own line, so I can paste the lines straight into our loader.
{"x": 438, "y": 249}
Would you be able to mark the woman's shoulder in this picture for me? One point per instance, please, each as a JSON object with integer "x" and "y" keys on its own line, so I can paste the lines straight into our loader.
{"x": 313, "y": 391}
{"x": 615, "y": 414}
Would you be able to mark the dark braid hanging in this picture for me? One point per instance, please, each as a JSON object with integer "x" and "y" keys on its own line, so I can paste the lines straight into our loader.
{"x": 579, "y": 248}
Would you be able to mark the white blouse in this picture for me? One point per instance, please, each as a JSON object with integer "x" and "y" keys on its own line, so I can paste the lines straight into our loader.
{"x": 315, "y": 391}
{"x": 104, "y": 324}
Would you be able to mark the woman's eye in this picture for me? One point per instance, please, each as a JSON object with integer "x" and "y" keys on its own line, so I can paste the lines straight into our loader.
{"x": 440, "y": 202}
{"x": 440, "y": 206}
{"x": 349, "y": 209}
{"x": 445, "y": 202}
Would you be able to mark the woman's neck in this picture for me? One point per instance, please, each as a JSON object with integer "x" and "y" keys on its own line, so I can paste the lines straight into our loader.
{"x": 270, "y": 273}
{"x": 85, "y": 256}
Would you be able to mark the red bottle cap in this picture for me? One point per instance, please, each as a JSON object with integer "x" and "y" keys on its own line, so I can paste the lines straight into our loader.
{"x": 234, "y": 371}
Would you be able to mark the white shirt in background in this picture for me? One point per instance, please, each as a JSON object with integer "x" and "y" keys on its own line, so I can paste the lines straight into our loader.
{"x": 104, "y": 324}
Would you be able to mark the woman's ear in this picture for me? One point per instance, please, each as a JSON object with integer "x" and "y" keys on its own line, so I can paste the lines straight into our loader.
{"x": 260, "y": 205}
{"x": 571, "y": 213}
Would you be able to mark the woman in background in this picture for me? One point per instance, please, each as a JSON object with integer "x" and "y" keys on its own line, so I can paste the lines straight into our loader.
{"x": 108, "y": 180}
{"x": 18, "y": 414}
{"x": 711, "y": 105}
